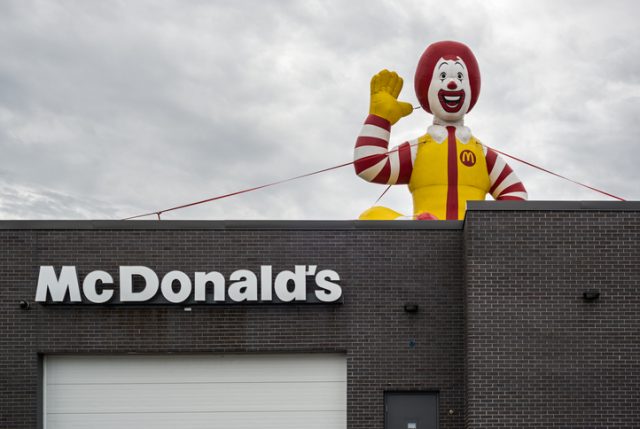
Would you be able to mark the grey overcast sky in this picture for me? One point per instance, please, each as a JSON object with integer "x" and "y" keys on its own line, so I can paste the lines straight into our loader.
{"x": 110, "y": 109}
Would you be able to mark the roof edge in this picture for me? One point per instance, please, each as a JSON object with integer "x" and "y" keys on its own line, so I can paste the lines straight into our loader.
{"x": 621, "y": 206}
{"x": 318, "y": 225}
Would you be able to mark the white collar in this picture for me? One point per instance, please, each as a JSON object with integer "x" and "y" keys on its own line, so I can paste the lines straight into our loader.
{"x": 439, "y": 132}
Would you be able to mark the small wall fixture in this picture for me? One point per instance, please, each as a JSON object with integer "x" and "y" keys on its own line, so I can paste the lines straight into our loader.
{"x": 411, "y": 308}
{"x": 591, "y": 295}
{"x": 25, "y": 305}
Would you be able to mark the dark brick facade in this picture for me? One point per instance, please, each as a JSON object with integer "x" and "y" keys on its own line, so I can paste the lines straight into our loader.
{"x": 502, "y": 332}
{"x": 382, "y": 267}
{"x": 537, "y": 354}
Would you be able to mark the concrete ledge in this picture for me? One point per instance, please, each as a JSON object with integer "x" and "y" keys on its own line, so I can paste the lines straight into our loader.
{"x": 317, "y": 225}
{"x": 554, "y": 205}
{"x": 285, "y": 225}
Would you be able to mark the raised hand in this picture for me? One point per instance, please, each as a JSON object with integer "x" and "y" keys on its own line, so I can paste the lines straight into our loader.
{"x": 385, "y": 88}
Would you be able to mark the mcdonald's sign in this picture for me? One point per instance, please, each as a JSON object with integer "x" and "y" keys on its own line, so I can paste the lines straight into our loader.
{"x": 468, "y": 158}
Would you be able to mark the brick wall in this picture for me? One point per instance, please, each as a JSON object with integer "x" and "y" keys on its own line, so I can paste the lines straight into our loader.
{"x": 537, "y": 354}
{"x": 381, "y": 269}
{"x": 501, "y": 308}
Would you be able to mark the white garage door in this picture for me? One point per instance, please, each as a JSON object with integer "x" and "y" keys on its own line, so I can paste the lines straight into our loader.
{"x": 196, "y": 391}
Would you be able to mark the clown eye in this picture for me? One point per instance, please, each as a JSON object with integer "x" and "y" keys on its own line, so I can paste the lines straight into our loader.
{"x": 443, "y": 75}
{"x": 460, "y": 76}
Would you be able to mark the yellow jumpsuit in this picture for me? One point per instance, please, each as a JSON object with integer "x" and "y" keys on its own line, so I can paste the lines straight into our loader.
{"x": 444, "y": 177}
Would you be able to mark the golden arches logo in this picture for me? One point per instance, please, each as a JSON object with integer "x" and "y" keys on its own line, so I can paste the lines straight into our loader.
{"x": 468, "y": 158}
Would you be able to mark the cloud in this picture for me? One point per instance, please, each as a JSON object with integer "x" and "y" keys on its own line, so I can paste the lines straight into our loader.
{"x": 24, "y": 202}
{"x": 119, "y": 108}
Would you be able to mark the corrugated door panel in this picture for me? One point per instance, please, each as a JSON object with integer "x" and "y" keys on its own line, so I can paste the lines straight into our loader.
{"x": 240, "y": 391}
{"x": 272, "y": 420}
{"x": 197, "y": 397}
{"x": 196, "y": 368}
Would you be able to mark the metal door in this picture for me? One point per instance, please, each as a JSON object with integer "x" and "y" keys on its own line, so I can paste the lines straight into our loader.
{"x": 202, "y": 391}
{"x": 411, "y": 410}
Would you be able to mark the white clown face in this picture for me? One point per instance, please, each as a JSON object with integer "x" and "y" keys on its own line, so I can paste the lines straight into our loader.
{"x": 449, "y": 91}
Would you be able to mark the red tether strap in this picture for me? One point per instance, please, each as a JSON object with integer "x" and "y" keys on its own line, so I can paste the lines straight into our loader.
{"x": 557, "y": 175}
{"x": 243, "y": 191}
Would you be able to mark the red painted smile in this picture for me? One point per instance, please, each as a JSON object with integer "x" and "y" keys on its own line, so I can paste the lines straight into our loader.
{"x": 451, "y": 101}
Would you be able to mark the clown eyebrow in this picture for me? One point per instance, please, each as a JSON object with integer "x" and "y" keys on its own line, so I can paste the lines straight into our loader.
{"x": 461, "y": 65}
{"x": 443, "y": 63}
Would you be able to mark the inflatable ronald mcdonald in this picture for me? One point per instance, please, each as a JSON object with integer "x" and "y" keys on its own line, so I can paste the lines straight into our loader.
{"x": 447, "y": 166}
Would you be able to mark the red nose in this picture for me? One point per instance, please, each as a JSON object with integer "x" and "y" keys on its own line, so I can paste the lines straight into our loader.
{"x": 452, "y": 85}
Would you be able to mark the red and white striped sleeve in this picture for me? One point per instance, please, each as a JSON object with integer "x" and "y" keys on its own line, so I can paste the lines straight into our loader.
{"x": 374, "y": 163}
{"x": 505, "y": 185}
